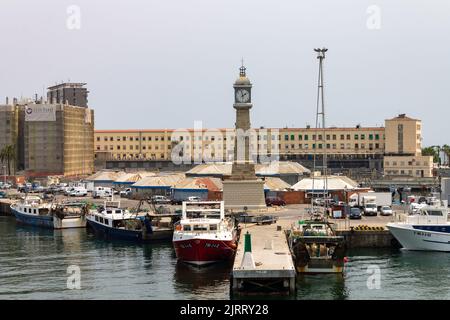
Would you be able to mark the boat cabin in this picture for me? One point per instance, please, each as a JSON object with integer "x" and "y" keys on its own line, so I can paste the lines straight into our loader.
{"x": 429, "y": 215}
{"x": 202, "y": 217}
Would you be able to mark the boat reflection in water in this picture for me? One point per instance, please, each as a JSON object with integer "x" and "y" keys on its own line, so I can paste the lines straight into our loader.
{"x": 196, "y": 280}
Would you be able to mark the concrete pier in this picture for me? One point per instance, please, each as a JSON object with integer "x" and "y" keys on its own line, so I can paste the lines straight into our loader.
{"x": 270, "y": 268}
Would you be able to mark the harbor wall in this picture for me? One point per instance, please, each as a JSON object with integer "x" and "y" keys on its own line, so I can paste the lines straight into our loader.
{"x": 368, "y": 239}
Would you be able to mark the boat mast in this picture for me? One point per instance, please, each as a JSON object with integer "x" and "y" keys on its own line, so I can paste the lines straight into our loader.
{"x": 320, "y": 115}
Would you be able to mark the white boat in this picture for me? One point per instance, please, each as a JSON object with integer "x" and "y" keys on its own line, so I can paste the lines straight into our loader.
{"x": 32, "y": 210}
{"x": 428, "y": 229}
{"x": 204, "y": 235}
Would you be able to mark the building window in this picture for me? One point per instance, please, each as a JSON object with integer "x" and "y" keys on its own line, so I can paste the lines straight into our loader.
{"x": 377, "y": 136}
{"x": 342, "y": 136}
{"x": 356, "y": 146}
{"x": 342, "y": 146}
{"x": 98, "y": 138}
{"x": 334, "y": 137}
{"x": 131, "y": 138}
{"x": 370, "y": 136}
{"x": 111, "y": 138}
{"x": 363, "y": 137}
{"x": 356, "y": 137}
{"x": 299, "y": 137}
{"x": 377, "y": 146}
{"x": 292, "y": 137}
{"x": 306, "y": 137}
{"x": 286, "y": 137}
{"x": 348, "y": 137}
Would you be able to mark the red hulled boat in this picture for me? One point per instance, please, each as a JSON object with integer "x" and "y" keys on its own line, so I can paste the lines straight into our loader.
{"x": 204, "y": 235}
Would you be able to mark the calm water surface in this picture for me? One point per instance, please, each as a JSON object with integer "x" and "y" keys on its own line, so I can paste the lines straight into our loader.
{"x": 34, "y": 262}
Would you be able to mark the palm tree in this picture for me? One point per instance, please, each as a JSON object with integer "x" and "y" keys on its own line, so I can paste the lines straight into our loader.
{"x": 8, "y": 154}
{"x": 446, "y": 150}
{"x": 431, "y": 151}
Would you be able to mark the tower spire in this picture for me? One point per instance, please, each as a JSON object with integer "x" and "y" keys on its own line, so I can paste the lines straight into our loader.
{"x": 242, "y": 69}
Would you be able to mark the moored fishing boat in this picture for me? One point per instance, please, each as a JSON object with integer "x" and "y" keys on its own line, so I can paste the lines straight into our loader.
{"x": 113, "y": 222}
{"x": 32, "y": 210}
{"x": 204, "y": 235}
{"x": 315, "y": 246}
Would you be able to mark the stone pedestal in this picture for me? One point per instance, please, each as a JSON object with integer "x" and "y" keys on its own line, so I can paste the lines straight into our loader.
{"x": 240, "y": 194}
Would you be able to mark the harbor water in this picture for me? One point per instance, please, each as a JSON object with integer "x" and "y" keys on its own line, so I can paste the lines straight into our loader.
{"x": 34, "y": 265}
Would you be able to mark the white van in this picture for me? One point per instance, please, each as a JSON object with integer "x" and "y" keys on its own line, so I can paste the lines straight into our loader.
{"x": 78, "y": 192}
{"x": 102, "y": 192}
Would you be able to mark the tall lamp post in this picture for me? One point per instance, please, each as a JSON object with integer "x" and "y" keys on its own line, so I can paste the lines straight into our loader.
{"x": 4, "y": 174}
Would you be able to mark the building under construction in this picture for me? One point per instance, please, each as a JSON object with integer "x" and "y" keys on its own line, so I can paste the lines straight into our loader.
{"x": 49, "y": 138}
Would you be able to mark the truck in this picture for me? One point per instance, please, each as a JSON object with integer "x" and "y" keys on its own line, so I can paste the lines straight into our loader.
{"x": 369, "y": 205}
{"x": 381, "y": 199}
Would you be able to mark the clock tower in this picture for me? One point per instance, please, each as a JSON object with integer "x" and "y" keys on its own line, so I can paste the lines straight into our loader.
{"x": 243, "y": 190}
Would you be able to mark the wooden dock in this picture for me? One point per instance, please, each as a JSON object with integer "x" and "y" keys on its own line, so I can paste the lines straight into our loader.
{"x": 272, "y": 271}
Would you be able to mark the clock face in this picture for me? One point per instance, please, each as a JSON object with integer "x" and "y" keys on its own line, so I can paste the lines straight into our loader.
{"x": 242, "y": 95}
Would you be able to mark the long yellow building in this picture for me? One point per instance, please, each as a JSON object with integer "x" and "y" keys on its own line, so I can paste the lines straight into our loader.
{"x": 397, "y": 145}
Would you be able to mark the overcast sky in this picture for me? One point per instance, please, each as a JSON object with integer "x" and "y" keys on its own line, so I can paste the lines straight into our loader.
{"x": 167, "y": 63}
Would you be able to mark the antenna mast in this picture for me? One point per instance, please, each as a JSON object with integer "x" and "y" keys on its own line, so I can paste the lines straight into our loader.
{"x": 320, "y": 123}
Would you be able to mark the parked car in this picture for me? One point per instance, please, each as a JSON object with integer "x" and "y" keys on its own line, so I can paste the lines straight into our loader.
{"x": 125, "y": 193}
{"x": 2, "y": 194}
{"x": 385, "y": 211}
{"x": 160, "y": 199}
{"x": 275, "y": 201}
{"x": 6, "y": 185}
{"x": 318, "y": 202}
{"x": 194, "y": 199}
{"x": 355, "y": 213}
